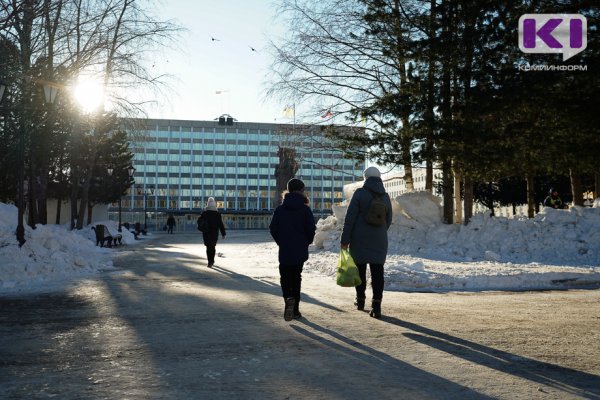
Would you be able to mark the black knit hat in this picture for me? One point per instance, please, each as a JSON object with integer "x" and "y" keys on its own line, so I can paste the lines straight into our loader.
{"x": 295, "y": 185}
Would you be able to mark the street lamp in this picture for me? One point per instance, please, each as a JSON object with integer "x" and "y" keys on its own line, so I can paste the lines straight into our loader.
{"x": 50, "y": 91}
{"x": 150, "y": 190}
{"x": 130, "y": 171}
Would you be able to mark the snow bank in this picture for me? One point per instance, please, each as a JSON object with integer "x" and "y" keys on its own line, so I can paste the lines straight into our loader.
{"x": 555, "y": 249}
{"x": 51, "y": 256}
{"x": 553, "y": 236}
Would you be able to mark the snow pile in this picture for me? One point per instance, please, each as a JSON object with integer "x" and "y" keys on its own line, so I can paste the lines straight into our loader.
{"x": 597, "y": 203}
{"x": 51, "y": 256}
{"x": 557, "y": 248}
{"x": 553, "y": 236}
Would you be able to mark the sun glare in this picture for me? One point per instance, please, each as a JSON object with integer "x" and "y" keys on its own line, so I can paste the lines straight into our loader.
{"x": 89, "y": 94}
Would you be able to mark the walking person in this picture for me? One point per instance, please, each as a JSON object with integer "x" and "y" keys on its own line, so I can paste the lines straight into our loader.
{"x": 170, "y": 223}
{"x": 211, "y": 222}
{"x": 293, "y": 229}
{"x": 368, "y": 218}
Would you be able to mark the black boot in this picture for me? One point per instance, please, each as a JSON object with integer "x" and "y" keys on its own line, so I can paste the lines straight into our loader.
{"x": 376, "y": 309}
{"x": 297, "y": 314}
{"x": 288, "y": 312}
{"x": 360, "y": 303}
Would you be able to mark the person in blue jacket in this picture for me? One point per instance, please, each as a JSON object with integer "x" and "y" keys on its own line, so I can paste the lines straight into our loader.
{"x": 368, "y": 243}
{"x": 293, "y": 228}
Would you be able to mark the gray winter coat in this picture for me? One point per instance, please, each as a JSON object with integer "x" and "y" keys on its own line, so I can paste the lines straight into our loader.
{"x": 368, "y": 243}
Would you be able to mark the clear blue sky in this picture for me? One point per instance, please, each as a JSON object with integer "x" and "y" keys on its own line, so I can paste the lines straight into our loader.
{"x": 202, "y": 67}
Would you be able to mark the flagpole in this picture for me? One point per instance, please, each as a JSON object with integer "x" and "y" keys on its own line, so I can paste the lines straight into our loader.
{"x": 294, "y": 120}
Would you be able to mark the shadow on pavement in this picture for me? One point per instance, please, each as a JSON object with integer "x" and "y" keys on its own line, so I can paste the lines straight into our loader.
{"x": 386, "y": 367}
{"x": 564, "y": 379}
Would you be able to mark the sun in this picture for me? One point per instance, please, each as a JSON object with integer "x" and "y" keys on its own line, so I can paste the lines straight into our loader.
{"x": 89, "y": 94}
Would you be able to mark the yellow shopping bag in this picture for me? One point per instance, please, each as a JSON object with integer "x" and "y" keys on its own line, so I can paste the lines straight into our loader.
{"x": 347, "y": 272}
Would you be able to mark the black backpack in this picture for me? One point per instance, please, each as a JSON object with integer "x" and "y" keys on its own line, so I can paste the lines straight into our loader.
{"x": 377, "y": 210}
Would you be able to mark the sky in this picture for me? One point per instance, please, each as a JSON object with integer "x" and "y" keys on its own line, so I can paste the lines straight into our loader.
{"x": 201, "y": 67}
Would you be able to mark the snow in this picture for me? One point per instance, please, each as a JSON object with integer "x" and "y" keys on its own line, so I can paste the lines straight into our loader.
{"x": 52, "y": 256}
{"x": 557, "y": 249}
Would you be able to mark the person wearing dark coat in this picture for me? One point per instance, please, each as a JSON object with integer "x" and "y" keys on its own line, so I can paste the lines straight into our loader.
{"x": 368, "y": 244}
{"x": 170, "y": 223}
{"x": 293, "y": 229}
{"x": 214, "y": 224}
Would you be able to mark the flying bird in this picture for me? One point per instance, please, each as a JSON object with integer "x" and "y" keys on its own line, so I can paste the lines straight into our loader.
{"x": 252, "y": 48}
{"x": 214, "y": 39}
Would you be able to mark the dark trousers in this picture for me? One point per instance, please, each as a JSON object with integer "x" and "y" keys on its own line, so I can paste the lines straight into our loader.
{"x": 376, "y": 280}
{"x": 291, "y": 280}
{"x": 210, "y": 253}
{"x": 170, "y": 229}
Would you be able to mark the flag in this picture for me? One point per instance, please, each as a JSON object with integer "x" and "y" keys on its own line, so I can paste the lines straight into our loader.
{"x": 288, "y": 111}
{"x": 326, "y": 113}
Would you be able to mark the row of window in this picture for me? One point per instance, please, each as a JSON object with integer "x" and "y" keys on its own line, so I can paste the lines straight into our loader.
{"x": 210, "y": 134}
{"x": 269, "y": 158}
{"x": 174, "y": 192}
{"x": 228, "y": 204}
{"x": 231, "y": 171}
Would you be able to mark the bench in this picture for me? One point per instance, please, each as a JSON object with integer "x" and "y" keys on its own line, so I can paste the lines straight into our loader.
{"x": 103, "y": 235}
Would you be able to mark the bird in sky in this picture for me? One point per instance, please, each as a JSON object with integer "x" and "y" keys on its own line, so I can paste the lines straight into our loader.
{"x": 252, "y": 48}
{"x": 214, "y": 39}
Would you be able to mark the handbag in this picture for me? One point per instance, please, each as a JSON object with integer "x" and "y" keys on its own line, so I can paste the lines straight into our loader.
{"x": 347, "y": 272}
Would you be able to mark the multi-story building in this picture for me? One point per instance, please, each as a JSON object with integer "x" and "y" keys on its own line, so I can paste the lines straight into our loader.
{"x": 395, "y": 185}
{"x": 180, "y": 164}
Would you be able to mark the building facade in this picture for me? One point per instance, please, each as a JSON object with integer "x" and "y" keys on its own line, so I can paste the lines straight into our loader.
{"x": 180, "y": 164}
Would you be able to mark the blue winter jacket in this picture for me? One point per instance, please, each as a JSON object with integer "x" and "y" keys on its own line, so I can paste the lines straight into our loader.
{"x": 368, "y": 243}
{"x": 293, "y": 228}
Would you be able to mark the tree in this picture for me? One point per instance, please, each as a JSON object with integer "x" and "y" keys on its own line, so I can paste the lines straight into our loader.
{"x": 57, "y": 41}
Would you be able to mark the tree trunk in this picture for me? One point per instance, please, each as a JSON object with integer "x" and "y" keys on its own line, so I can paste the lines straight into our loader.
{"x": 468, "y": 199}
{"x": 458, "y": 207}
{"x": 429, "y": 112}
{"x": 42, "y": 200}
{"x": 408, "y": 177}
{"x": 576, "y": 188}
{"x": 447, "y": 192}
{"x": 597, "y": 185}
{"x": 31, "y": 196}
{"x": 530, "y": 196}
{"x": 90, "y": 209}
{"x": 74, "y": 192}
{"x": 491, "y": 199}
{"x": 429, "y": 176}
{"x": 58, "y": 209}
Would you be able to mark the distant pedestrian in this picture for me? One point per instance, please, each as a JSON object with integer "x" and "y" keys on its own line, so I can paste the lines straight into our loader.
{"x": 293, "y": 228}
{"x": 212, "y": 223}
{"x": 553, "y": 200}
{"x": 368, "y": 218}
{"x": 170, "y": 223}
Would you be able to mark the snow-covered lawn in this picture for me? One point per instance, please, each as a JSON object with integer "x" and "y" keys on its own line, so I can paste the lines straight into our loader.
{"x": 556, "y": 249}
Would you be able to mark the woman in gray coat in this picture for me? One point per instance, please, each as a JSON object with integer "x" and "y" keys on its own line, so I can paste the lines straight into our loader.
{"x": 368, "y": 242}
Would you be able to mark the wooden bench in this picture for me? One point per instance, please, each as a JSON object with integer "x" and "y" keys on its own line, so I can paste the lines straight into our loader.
{"x": 103, "y": 235}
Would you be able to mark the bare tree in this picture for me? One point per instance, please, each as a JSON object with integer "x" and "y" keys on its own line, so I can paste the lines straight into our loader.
{"x": 337, "y": 59}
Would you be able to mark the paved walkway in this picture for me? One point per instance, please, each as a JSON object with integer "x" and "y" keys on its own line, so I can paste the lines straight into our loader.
{"x": 167, "y": 327}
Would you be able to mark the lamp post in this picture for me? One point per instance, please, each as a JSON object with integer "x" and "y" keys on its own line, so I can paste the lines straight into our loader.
{"x": 150, "y": 190}
{"x": 50, "y": 91}
{"x": 130, "y": 171}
